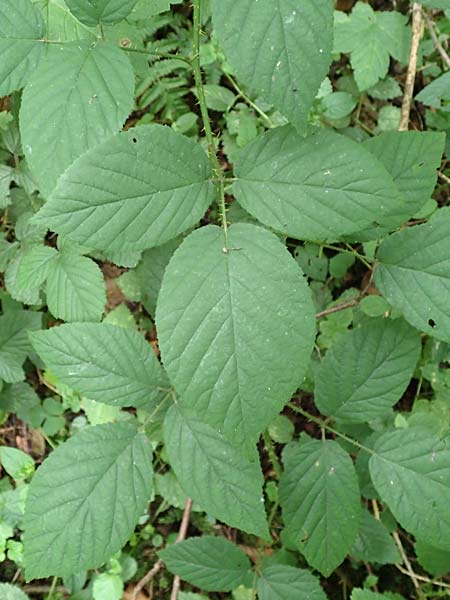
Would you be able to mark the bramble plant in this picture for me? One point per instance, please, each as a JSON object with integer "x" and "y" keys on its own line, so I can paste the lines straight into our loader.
{"x": 226, "y": 299}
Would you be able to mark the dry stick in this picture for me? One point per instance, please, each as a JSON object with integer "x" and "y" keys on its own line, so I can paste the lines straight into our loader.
{"x": 437, "y": 44}
{"x": 412, "y": 66}
{"x": 337, "y": 308}
{"x": 424, "y": 579}
{"x": 409, "y": 569}
{"x": 147, "y": 578}
{"x": 181, "y": 535}
{"x": 159, "y": 564}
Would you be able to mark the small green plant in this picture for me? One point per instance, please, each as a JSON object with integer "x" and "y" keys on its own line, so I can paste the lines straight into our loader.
{"x": 293, "y": 264}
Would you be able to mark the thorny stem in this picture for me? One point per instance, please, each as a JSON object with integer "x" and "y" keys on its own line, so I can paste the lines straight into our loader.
{"x": 327, "y": 427}
{"x": 416, "y": 27}
{"x": 157, "y": 54}
{"x": 220, "y": 193}
{"x": 272, "y": 455}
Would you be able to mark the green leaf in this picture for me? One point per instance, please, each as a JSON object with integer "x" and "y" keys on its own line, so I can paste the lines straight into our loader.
{"x": 359, "y": 594}
{"x": 317, "y": 187}
{"x": 215, "y": 474}
{"x": 412, "y": 158}
{"x": 211, "y": 563}
{"x": 410, "y": 469}
{"x": 109, "y": 364}
{"x": 93, "y": 12}
{"x": 320, "y": 498}
{"x": 373, "y": 543}
{"x": 150, "y": 272}
{"x": 34, "y": 266}
{"x": 27, "y": 295}
{"x": 75, "y": 288}
{"x": 61, "y": 25}
{"x": 85, "y": 500}
{"x": 21, "y": 45}
{"x": 434, "y": 560}
{"x": 280, "y": 50}
{"x": 235, "y": 328}
{"x": 138, "y": 189}
{"x": 367, "y": 370}
{"x": 11, "y": 592}
{"x": 80, "y": 94}
{"x": 413, "y": 273}
{"x": 14, "y": 344}
{"x": 371, "y": 38}
{"x": 16, "y": 463}
{"x": 282, "y": 582}
{"x": 107, "y": 586}
{"x": 437, "y": 93}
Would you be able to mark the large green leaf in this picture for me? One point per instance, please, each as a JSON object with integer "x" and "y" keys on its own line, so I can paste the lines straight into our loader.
{"x": 367, "y": 370}
{"x": 410, "y": 469}
{"x": 235, "y": 328}
{"x": 11, "y": 592}
{"x": 320, "y": 498}
{"x": 371, "y": 38}
{"x": 283, "y": 582}
{"x": 414, "y": 274}
{"x": 21, "y": 45}
{"x": 434, "y": 560}
{"x": 215, "y": 474}
{"x": 317, "y": 187}
{"x": 85, "y": 500}
{"x": 373, "y": 543}
{"x": 80, "y": 94}
{"x": 211, "y": 563}
{"x": 61, "y": 25}
{"x": 93, "y": 12}
{"x": 280, "y": 49}
{"x": 75, "y": 288}
{"x": 108, "y": 364}
{"x": 138, "y": 189}
{"x": 412, "y": 158}
{"x": 34, "y": 266}
{"x": 14, "y": 343}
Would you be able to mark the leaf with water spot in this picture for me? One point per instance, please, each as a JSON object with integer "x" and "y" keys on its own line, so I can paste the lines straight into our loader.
{"x": 85, "y": 500}
{"x": 410, "y": 469}
{"x": 320, "y": 498}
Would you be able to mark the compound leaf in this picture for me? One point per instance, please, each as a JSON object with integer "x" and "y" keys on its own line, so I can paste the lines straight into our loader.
{"x": 215, "y": 474}
{"x": 93, "y": 12}
{"x": 410, "y": 469}
{"x": 281, "y": 50}
{"x": 21, "y": 44}
{"x": 235, "y": 328}
{"x": 211, "y": 563}
{"x": 138, "y": 189}
{"x": 317, "y": 187}
{"x": 80, "y": 94}
{"x": 283, "y": 582}
{"x": 85, "y": 500}
{"x": 367, "y": 370}
{"x": 414, "y": 274}
{"x": 320, "y": 498}
{"x": 75, "y": 288}
{"x": 109, "y": 364}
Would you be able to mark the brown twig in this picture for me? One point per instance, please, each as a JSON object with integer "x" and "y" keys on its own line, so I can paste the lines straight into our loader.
{"x": 437, "y": 44}
{"x": 181, "y": 536}
{"x": 423, "y": 578}
{"x": 337, "y": 308}
{"x": 405, "y": 559}
{"x": 444, "y": 177}
{"x": 412, "y": 66}
{"x": 147, "y": 578}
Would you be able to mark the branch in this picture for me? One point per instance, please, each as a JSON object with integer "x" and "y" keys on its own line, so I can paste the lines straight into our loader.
{"x": 423, "y": 578}
{"x": 181, "y": 536}
{"x": 437, "y": 44}
{"x": 409, "y": 569}
{"x": 147, "y": 578}
{"x": 337, "y": 308}
{"x": 412, "y": 66}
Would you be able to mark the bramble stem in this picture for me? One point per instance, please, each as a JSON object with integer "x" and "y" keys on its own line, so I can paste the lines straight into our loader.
{"x": 272, "y": 455}
{"x": 218, "y": 181}
{"x": 327, "y": 427}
